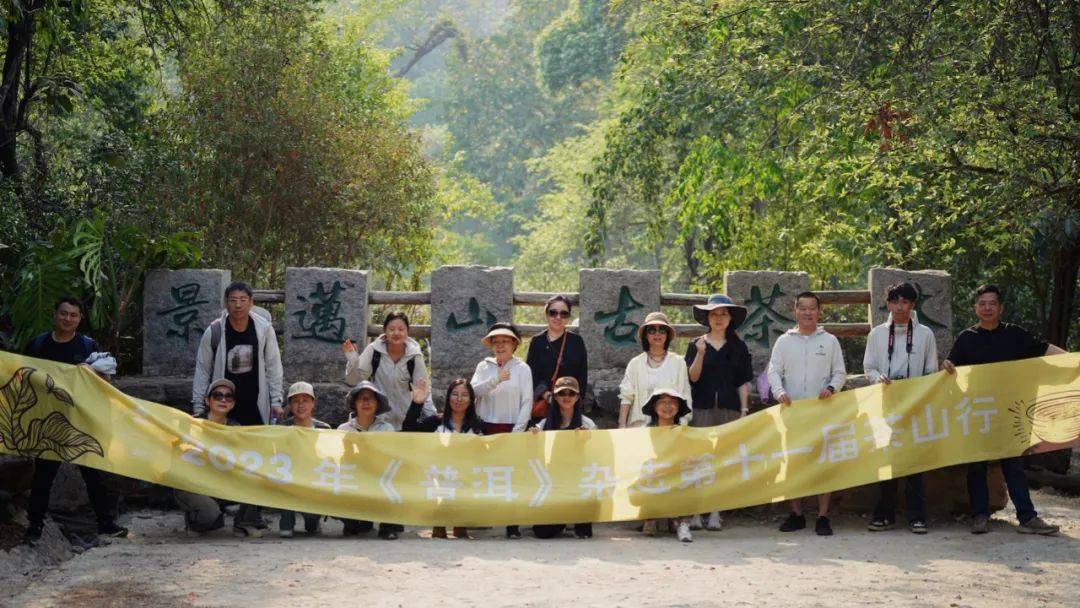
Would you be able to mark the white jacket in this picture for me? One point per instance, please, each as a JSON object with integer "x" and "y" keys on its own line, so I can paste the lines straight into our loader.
{"x": 207, "y": 370}
{"x": 378, "y": 426}
{"x": 508, "y": 402}
{"x": 921, "y": 361}
{"x": 639, "y": 382}
{"x": 391, "y": 378}
{"x": 801, "y": 366}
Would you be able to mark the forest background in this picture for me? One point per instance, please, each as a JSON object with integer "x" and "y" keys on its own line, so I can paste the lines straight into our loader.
{"x": 398, "y": 135}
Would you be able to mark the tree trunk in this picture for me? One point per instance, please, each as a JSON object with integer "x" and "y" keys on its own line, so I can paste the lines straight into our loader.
{"x": 20, "y": 37}
{"x": 1065, "y": 264}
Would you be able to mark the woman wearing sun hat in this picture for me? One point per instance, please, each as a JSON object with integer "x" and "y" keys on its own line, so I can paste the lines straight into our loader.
{"x": 364, "y": 403}
{"x": 654, "y": 368}
{"x": 665, "y": 408}
{"x": 504, "y": 388}
{"x": 720, "y": 371}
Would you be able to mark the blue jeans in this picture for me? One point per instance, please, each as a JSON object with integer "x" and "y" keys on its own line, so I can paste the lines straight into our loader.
{"x": 1015, "y": 480}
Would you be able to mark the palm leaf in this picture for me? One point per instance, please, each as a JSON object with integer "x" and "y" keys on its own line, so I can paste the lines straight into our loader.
{"x": 16, "y": 398}
{"x": 54, "y": 433}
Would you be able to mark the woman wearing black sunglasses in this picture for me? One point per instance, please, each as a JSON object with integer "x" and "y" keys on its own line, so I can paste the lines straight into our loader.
{"x": 556, "y": 352}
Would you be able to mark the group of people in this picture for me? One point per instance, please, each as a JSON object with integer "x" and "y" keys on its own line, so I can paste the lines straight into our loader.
{"x": 238, "y": 381}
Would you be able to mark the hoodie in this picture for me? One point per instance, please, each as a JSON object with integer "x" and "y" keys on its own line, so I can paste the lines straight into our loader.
{"x": 210, "y": 366}
{"x": 378, "y": 426}
{"x": 801, "y": 366}
{"x": 391, "y": 378}
{"x": 922, "y": 360}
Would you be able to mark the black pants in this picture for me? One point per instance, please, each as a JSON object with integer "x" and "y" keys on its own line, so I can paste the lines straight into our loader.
{"x": 553, "y": 530}
{"x": 360, "y": 526}
{"x": 914, "y": 497}
{"x": 45, "y": 474}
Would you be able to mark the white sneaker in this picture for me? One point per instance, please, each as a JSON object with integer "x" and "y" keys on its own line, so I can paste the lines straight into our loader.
{"x": 695, "y": 522}
{"x": 715, "y": 522}
{"x": 684, "y": 533}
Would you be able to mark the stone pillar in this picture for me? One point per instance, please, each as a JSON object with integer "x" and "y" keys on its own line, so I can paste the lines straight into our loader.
{"x": 178, "y": 305}
{"x": 323, "y": 307}
{"x": 769, "y": 298}
{"x": 934, "y": 306}
{"x": 613, "y": 305}
{"x": 465, "y": 301}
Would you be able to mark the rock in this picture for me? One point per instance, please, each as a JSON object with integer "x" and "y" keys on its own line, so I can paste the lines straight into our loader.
{"x": 613, "y": 305}
{"x": 323, "y": 307}
{"x": 465, "y": 301}
{"x": 934, "y": 306}
{"x": 769, "y": 298}
{"x": 177, "y": 307}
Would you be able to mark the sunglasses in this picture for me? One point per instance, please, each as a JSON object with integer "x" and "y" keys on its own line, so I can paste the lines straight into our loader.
{"x": 562, "y": 314}
{"x": 220, "y": 395}
{"x": 566, "y": 393}
{"x": 656, "y": 329}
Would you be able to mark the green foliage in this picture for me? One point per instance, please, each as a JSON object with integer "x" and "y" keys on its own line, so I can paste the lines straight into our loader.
{"x": 293, "y": 148}
{"x": 582, "y": 44}
{"x": 833, "y": 136}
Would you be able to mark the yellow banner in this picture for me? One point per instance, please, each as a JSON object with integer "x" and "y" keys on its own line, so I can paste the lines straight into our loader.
{"x": 984, "y": 412}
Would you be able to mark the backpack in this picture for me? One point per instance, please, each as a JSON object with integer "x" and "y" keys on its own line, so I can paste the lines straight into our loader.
{"x": 376, "y": 358}
{"x": 216, "y": 330}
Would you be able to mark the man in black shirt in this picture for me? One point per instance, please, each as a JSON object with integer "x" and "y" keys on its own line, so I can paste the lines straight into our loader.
{"x": 64, "y": 344}
{"x": 991, "y": 341}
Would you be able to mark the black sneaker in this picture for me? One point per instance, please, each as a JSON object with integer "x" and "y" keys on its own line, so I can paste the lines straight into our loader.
{"x": 387, "y": 533}
{"x": 918, "y": 526}
{"x": 793, "y": 522}
{"x": 513, "y": 532}
{"x": 32, "y": 535}
{"x": 880, "y": 524}
{"x": 355, "y": 528}
{"x": 822, "y": 527}
{"x": 112, "y": 530}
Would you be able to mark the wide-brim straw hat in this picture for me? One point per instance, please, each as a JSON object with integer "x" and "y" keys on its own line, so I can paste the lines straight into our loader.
{"x": 701, "y": 311}
{"x": 384, "y": 403}
{"x": 649, "y": 409}
{"x": 499, "y": 331}
{"x": 655, "y": 318}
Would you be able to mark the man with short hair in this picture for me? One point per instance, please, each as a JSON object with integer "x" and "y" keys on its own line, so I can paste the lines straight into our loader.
{"x": 991, "y": 341}
{"x": 64, "y": 344}
{"x": 900, "y": 348}
{"x": 806, "y": 362}
{"x": 241, "y": 347}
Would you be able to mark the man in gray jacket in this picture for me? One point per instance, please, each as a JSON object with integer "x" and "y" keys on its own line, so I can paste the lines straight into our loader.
{"x": 241, "y": 347}
{"x": 900, "y": 348}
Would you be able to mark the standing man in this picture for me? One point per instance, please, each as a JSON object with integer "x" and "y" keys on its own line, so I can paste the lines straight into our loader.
{"x": 806, "y": 362}
{"x": 900, "y": 348}
{"x": 64, "y": 344}
{"x": 991, "y": 341}
{"x": 241, "y": 347}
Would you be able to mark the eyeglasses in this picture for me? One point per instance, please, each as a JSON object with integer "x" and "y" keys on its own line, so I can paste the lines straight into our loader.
{"x": 562, "y": 314}
{"x": 238, "y": 300}
{"x": 222, "y": 396}
{"x": 655, "y": 329}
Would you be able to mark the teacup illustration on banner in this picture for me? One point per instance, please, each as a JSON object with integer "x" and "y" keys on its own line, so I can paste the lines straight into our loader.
{"x": 1053, "y": 419}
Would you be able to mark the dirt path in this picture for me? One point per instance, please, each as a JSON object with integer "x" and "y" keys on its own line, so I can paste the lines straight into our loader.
{"x": 748, "y": 564}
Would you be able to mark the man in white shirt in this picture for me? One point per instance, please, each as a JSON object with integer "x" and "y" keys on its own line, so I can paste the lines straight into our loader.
{"x": 806, "y": 362}
{"x": 900, "y": 348}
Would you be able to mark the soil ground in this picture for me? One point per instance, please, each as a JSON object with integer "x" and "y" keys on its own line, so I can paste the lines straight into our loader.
{"x": 749, "y": 563}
